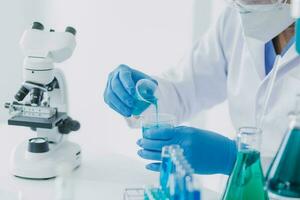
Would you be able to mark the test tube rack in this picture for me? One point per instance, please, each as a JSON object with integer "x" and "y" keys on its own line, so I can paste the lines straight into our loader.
{"x": 176, "y": 180}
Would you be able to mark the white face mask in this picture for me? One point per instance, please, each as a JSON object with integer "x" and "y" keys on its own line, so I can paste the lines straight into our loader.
{"x": 266, "y": 24}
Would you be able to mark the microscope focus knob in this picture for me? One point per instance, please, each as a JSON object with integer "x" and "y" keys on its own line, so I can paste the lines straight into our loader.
{"x": 68, "y": 125}
{"x": 71, "y": 30}
{"x": 38, "y": 145}
{"x": 37, "y": 26}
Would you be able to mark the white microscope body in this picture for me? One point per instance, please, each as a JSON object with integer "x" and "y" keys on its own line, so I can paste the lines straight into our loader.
{"x": 42, "y": 105}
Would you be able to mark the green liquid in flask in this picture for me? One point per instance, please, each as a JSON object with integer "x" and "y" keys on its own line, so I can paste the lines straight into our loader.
{"x": 284, "y": 175}
{"x": 247, "y": 181}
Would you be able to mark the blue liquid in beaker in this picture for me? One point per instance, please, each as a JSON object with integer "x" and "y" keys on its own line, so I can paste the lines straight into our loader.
{"x": 140, "y": 106}
{"x": 144, "y": 96}
{"x": 155, "y": 125}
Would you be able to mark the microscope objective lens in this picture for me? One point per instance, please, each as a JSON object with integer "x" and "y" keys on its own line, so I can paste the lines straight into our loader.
{"x": 22, "y": 93}
{"x": 36, "y": 96}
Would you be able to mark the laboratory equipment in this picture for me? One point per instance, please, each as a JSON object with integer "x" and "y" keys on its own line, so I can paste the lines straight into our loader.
{"x": 121, "y": 83}
{"x": 157, "y": 120}
{"x": 144, "y": 96}
{"x": 284, "y": 175}
{"x": 296, "y": 15}
{"x": 166, "y": 168}
{"x": 42, "y": 105}
{"x": 247, "y": 181}
{"x": 176, "y": 180}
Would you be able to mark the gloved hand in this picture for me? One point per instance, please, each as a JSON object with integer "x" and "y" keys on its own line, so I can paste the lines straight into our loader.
{"x": 120, "y": 89}
{"x": 207, "y": 152}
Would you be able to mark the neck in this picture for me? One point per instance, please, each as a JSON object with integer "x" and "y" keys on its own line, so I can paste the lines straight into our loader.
{"x": 283, "y": 38}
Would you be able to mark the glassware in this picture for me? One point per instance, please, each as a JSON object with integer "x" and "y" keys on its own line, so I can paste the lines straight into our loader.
{"x": 284, "y": 173}
{"x": 247, "y": 181}
{"x": 144, "y": 96}
{"x": 159, "y": 120}
{"x": 297, "y": 34}
{"x": 176, "y": 178}
{"x": 166, "y": 168}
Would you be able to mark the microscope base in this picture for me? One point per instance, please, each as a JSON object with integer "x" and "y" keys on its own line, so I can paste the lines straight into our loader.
{"x": 44, "y": 165}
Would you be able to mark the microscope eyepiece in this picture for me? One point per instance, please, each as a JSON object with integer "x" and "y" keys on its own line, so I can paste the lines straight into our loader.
{"x": 71, "y": 30}
{"x": 22, "y": 93}
{"x": 37, "y": 26}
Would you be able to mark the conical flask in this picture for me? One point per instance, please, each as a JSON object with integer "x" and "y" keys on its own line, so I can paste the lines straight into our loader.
{"x": 247, "y": 181}
{"x": 284, "y": 172}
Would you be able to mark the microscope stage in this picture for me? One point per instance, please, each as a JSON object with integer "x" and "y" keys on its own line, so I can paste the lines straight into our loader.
{"x": 34, "y": 122}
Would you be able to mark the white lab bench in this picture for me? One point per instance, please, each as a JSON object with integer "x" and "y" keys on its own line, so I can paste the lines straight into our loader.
{"x": 101, "y": 176}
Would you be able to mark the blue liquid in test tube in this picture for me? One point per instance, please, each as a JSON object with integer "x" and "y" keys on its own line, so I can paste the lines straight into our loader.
{"x": 297, "y": 35}
{"x": 166, "y": 169}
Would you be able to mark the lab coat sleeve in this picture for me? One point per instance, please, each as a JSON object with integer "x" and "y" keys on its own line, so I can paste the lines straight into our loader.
{"x": 199, "y": 82}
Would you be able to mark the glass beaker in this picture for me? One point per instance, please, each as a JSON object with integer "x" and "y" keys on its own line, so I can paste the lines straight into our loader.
{"x": 159, "y": 120}
{"x": 247, "y": 181}
{"x": 284, "y": 173}
{"x": 144, "y": 96}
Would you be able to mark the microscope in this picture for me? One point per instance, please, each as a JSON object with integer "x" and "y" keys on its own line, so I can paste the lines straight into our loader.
{"x": 42, "y": 105}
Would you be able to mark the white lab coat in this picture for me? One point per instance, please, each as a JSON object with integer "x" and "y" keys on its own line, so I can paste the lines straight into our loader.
{"x": 224, "y": 64}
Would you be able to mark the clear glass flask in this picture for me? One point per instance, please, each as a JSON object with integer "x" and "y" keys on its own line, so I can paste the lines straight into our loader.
{"x": 247, "y": 181}
{"x": 284, "y": 173}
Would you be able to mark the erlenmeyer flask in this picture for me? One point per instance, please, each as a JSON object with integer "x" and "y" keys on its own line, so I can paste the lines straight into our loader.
{"x": 284, "y": 173}
{"x": 144, "y": 95}
{"x": 247, "y": 181}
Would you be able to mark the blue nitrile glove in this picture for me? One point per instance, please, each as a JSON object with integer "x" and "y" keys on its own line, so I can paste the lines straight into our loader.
{"x": 207, "y": 152}
{"x": 120, "y": 89}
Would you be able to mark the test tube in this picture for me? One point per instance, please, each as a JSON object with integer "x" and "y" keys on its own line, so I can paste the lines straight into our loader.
{"x": 179, "y": 183}
{"x": 191, "y": 192}
{"x": 169, "y": 157}
{"x": 166, "y": 168}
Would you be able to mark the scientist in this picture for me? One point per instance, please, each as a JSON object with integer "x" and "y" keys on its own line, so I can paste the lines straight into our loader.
{"x": 233, "y": 61}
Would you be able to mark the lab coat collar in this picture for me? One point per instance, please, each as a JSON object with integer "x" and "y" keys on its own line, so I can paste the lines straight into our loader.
{"x": 289, "y": 56}
{"x": 256, "y": 50}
